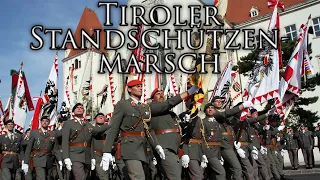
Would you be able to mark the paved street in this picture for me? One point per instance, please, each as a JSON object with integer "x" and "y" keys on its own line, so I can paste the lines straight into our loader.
{"x": 305, "y": 177}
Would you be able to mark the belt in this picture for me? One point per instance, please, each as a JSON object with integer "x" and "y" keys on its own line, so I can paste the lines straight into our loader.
{"x": 244, "y": 143}
{"x": 227, "y": 134}
{"x": 9, "y": 152}
{"x": 164, "y": 131}
{"x": 99, "y": 151}
{"x": 83, "y": 144}
{"x": 253, "y": 136}
{"x": 41, "y": 150}
{"x": 213, "y": 143}
{"x": 142, "y": 134}
{"x": 198, "y": 141}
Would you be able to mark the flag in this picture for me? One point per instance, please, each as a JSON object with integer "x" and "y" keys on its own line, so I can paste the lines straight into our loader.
{"x": 222, "y": 6}
{"x": 1, "y": 106}
{"x": 277, "y": 3}
{"x": 35, "y": 122}
{"x": 5, "y": 116}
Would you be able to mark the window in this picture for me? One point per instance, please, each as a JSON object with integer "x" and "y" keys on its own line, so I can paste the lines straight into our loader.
{"x": 254, "y": 11}
{"x": 76, "y": 66}
{"x": 75, "y": 80}
{"x": 316, "y": 26}
{"x": 79, "y": 64}
{"x": 291, "y": 32}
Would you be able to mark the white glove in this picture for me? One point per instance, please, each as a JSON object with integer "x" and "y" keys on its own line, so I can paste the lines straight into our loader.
{"x": 237, "y": 145}
{"x": 106, "y": 160}
{"x": 278, "y": 138}
{"x": 113, "y": 162}
{"x": 266, "y": 127}
{"x": 282, "y": 152}
{"x": 25, "y": 167}
{"x": 204, "y": 161}
{"x": 254, "y": 154}
{"x": 247, "y": 104}
{"x": 262, "y": 150}
{"x": 93, "y": 164}
{"x": 185, "y": 161}
{"x": 280, "y": 128}
{"x": 154, "y": 161}
{"x": 203, "y": 164}
{"x": 160, "y": 152}
{"x": 60, "y": 165}
{"x": 68, "y": 163}
{"x": 241, "y": 153}
{"x": 276, "y": 152}
{"x": 186, "y": 118}
{"x": 193, "y": 90}
{"x": 222, "y": 161}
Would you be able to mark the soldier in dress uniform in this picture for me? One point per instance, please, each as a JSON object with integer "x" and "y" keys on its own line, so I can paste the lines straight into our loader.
{"x": 280, "y": 152}
{"x": 11, "y": 146}
{"x": 40, "y": 151}
{"x": 291, "y": 145}
{"x": 76, "y": 142}
{"x": 305, "y": 141}
{"x": 131, "y": 119}
{"x": 211, "y": 129}
{"x": 228, "y": 154}
{"x": 167, "y": 130}
{"x": 254, "y": 129}
{"x": 316, "y": 133}
{"x": 98, "y": 141}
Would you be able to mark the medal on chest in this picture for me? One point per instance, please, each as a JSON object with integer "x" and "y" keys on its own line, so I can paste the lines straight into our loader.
{"x": 38, "y": 142}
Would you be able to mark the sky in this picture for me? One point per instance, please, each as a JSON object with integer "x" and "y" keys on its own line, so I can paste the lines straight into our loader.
{"x": 17, "y": 18}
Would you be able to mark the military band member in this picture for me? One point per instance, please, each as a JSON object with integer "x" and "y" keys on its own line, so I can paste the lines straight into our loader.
{"x": 76, "y": 142}
{"x": 11, "y": 147}
{"x": 40, "y": 151}
{"x": 167, "y": 130}
{"x": 212, "y": 132}
{"x": 305, "y": 141}
{"x": 291, "y": 145}
{"x": 130, "y": 118}
{"x": 98, "y": 141}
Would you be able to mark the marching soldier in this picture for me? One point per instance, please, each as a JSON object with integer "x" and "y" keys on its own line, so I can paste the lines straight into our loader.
{"x": 305, "y": 141}
{"x": 40, "y": 150}
{"x": 98, "y": 141}
{"x": 291, "y": 145}
{"x": 10, "y": 144}
{"x": 61, "y": 172}
{"x": 130, "y": 118}
{"x": 227, "y": 142}
{"x": 76, "y": 142}
{"x": 279, "y": 152}
{"x": 212, "y": 132}
{"x": 167, "y": 130}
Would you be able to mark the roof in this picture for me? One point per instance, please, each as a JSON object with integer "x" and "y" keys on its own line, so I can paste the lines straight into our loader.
{"x": 89, "y": 21}
{"x": 238, "y": 10}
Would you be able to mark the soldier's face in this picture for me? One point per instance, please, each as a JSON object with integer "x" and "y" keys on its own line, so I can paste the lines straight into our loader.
{"x": 254, "y": 115}
{"x": 10, "y": 126}
{"x": 210, "y": 111}
{"x": 79, "y": 110}
{"x": 136, "y": 90}
{"x": 28, "y": 133}
{"x": 45, "y": 123}
{"x": 100, "y": 119}
{"x": 217, "y": 103}
{"x": 159, "y": 96}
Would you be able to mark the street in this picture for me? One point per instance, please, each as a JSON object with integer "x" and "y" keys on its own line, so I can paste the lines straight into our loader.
{"x": 305, "y": 176}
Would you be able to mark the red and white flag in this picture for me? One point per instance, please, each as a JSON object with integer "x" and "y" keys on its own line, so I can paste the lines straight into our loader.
{"x": 5, "y": 116}
{"x": 277, "y": 3}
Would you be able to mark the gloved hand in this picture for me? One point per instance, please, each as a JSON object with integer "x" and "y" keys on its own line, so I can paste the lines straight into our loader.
{"x": 160, "y": 152}
{"x": 254, "y": 154}
{"x": 186, "y": 118}
{"x": 282, "y": 152}
{"x": 237, "y": 145}
{"x": 222, "y": 161}
{"x": 185, "y": 161}
{"x": 154, "y": 161}
{"x": 60, "y": 165}
{"x": 93, "y": 164}
{"x": 204, "y": 161}
{"x": 280, "y": 128}
{"x": 247, "y": 104}
{"x": 113, "y": 162}
{"x": 68, "y": 163}
{"x": 266, "y": 127}
{"x": 193, "y": 90}
{"x": 276, "y": 152}
{"x": 24, "y": 167}
{"x": 241, "y": 153}
{"x": 278, "y": 139}
{"x": 263, "y": 150}
{"x": 106, "y": 160}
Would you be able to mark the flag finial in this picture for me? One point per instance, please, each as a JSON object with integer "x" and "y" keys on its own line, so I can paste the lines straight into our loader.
{"x": 21, "y": 64}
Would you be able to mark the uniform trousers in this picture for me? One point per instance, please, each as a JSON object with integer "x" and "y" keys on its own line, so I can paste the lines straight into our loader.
{"x": 43, "y": 173}
{"x": 103, "y": 175}
{"x": 195, "y": 170}
{"x": 232, "y": 163}
{"x": 135, "y": 169}
{"x": 247, "y": 168}
{"x": 216, "y": 166}
{"x": 279, "y": 162}
{"x": 171, "y": 166}
{"x": 260, "y": 167}
{"x": 8, "y": 174}
{"x": 293, "y": 156}
{"x": 307, "y": 155}
{"x": 80, "y": 170}
{"x": 273, "y": 166}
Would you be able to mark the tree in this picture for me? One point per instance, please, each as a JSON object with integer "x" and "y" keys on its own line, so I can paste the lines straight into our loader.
{"x": 298, "y": 115}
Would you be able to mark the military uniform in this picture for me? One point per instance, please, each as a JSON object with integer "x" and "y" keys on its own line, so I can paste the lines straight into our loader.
{"x": 10, "y": 150}
{"x": 76, "y": 143}
{"x": 126, "y": 119}
{"x": 193, "y": 149}
{"x": 305, "y": 141}
{"x": 40, "y": 152}
{"x": 291, "y": 145}
{"x": 279, "y": 148}
{"x": 167, "y": 131}
{"x": 25, "y": 142}
{"x": 98, "y": 141}
{"x": 269, "y": 141}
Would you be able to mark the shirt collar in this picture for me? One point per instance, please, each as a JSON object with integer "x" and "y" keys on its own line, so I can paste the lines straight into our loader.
{"x": 135, "y": 100}
{"x": 43, "y": 130}
{"x": 10, "y": 133}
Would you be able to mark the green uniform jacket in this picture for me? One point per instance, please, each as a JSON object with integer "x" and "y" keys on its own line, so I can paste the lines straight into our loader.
{"x": 98, "y": 141}
{"x": 268, "y": 135}
{"x": 251, "y": 135}
{"x": 124, "y": 117}
{"x": 291, "y": 141}
{"x": 39, "y": 141}
{"x": 305, "y": 140}
{"x": 70, "y": 130}
{"x": 161, "y": 119}
{"x": 59, "y": 145}
{"x": 6, "y": 144}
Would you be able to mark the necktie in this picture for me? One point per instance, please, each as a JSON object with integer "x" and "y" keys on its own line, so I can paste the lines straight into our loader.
{"x": 45, "y": 133}
{"x": 12, "y": 137}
